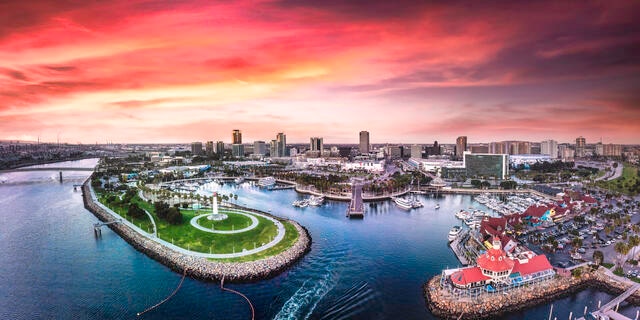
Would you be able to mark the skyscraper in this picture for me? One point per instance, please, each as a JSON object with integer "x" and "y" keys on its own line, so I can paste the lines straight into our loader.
{"x": 209, "y": 148}
{"x": 236, "y": 137}
{"x": 461, "y": 146}
{"x": 220, "y": 148}
{"x": 259, "y": 148}
{"x": 281, "y": 145}
{"x": 581, "y": 143}
{"x": 196, "y": 148}
{"x": 316, "y": 144}
{"x": 549, "y": 147}
{"x": 364, "y": 141}
{"x": 416, "y": 151}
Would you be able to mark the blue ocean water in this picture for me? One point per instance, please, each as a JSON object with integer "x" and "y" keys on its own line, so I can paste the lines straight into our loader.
{"x": 53, "y": 267}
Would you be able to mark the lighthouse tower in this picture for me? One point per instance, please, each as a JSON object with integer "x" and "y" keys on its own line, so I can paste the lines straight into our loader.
{"x": 214, "y": 214}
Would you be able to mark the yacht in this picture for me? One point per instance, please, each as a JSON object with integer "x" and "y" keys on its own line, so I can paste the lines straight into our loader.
{"x": 453, "y": 233}
{"x": 316, "y": 200}
{"x": 266, "y": 181}
{"x": 301, "y": 203}
{"x": 437, "y": 206}
{"x": 238, "y": 180}
{"x": 403, "y": 203}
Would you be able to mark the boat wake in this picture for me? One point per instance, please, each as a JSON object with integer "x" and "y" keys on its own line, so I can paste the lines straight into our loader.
{"x": 350, "y": 303}
{"x": 306, "y": 298}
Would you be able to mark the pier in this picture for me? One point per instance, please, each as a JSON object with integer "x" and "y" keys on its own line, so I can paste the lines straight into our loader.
{"x": 356, "y": 207}
{"x": 607, "y": 312}
{"x": 455, "y": 246}
{"x": 96, "y": 227}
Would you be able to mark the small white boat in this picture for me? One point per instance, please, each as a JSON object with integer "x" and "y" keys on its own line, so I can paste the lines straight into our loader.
{"x": 437, "y": 206}
{"x": 316, "y": 200}
{"x": 238, "y": 180}
{"x": 266, "y": 181}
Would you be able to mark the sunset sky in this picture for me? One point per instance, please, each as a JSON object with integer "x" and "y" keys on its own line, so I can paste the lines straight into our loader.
{"x": 407, "y": 71}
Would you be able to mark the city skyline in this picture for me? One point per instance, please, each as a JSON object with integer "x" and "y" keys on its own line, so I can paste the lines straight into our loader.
{"x": 408, "y": 73}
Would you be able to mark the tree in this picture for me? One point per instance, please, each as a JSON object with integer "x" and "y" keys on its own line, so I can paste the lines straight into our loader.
{"x": 485, "y": 184}
{"x": 508, "y": 184}
{"x": 476, "y": 183}
{"x": 576, "y": 243}
{"x": 622, "y": 249}
{"x": 174, "y": 216}
{"x": 598, "y": 257}
{"x": 634, "y": 240}
{"x": 135, "y": 211}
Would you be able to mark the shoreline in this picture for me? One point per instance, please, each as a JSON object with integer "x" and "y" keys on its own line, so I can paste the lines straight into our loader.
{"x": 495, "y": 305}
{"x": 201, "y": 268}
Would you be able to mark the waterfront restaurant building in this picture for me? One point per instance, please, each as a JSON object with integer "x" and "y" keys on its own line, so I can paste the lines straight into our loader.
{"x": 495, "y": 268}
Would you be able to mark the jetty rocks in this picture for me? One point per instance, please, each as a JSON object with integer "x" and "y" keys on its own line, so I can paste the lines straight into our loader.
{"x": 201, "y": 268}
{"x": 490, "y": 306}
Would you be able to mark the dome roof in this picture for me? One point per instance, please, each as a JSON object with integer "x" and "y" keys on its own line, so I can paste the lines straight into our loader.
{"x": 495, "y": 260}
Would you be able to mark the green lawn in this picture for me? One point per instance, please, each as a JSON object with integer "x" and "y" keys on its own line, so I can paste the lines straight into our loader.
{"x": 627, "y": 183}
{"x": 233, "y": 221}
{"x": 290, "y": 237}
{"x": 188, "y": 237}
{"x": 144, "y": 223}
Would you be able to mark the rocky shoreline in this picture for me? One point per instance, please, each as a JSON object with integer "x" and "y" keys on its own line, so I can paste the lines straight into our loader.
{"x": 496, "y": 305}
{"x": 201, "y": 268}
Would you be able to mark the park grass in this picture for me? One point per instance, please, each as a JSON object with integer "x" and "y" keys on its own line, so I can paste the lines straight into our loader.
{"x": 143, "y": 223}
{"x": 233, "y": 221}
{"x": 624, "y": 183}
{"x": 190, "y": 238}
{"x": 290, "y": 237}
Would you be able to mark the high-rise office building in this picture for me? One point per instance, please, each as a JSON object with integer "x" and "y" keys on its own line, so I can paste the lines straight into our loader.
{"x": 196, "y": 148}
{"x": 364, "y": 141}
{"x": 316, "y": 144}
{"x": 237, "y": 150}
{"x": 549, "y": 147}
{"x": 220, "y": 148}
{"x": 209, "y": 148}
{"x": 612, "y": 150}
{"x": 486, "y": 166}
{"x": 281, "y": 140}
{"x": 416, "y": 151}
{"x": 236, "y": 137}
{"x": 581, "y": 143}
{"x": 273, "y": 148}
{"x": 461, "y": 146}
{"x": 259, "y": 148}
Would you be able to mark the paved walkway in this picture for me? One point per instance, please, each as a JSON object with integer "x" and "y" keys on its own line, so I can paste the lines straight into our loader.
{"x": 254, "y": 223}
{"x": 279, "y": 236}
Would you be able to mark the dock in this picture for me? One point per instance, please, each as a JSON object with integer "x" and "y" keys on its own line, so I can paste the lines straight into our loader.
{"x": 455, "y": 246}
{"x": 356, "y": 207}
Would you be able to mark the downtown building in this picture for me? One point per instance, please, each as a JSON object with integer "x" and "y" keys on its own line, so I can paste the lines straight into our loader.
{"x": 237, "y": 149}
{"x": 364, "y": 142}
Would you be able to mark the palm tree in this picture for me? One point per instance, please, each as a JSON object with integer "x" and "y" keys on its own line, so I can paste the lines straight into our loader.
{"x": 598, "y": 257}
{"x": 633, "y": 242}
{"x": 622, "y": 249}
{"x": 576, "y": 243}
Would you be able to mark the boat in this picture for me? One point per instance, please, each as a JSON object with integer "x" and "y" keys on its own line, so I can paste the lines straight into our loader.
{"x": 301, "y": 203}
{"x": 403, "y": 203}
{"x": 266, "y": 181}
{"x": 316, "y": 200}
{"x": 415, "y": 203}
{"x": 437, "y": 206}
{"x": 453, "y": 233}
{"x": 238, "y": 180}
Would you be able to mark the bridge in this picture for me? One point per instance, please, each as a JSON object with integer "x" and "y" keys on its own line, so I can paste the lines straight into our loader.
{"x": 607, "y": 312}
{"x": 59, "y": 169}
{"x": 47, "y": 169}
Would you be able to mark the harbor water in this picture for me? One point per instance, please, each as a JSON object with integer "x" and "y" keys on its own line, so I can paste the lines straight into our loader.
{"x": 53, "y": 267}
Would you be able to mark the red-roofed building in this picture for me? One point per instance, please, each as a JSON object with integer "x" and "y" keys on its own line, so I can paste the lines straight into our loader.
{"x": 496, "y": 268}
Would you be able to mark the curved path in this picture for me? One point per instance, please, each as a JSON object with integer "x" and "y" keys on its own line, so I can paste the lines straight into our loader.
{"x": 254, "y": 223}
{"x": 275, "y": 241}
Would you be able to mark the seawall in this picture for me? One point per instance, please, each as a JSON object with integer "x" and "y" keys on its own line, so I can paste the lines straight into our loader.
{"x": 496, "y": 305}
{"x": 201, "y": 268}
